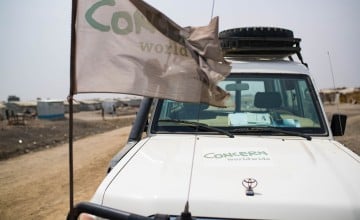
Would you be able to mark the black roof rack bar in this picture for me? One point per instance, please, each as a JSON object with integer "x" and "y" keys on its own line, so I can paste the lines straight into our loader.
{"x": 301, "y": 59}
{"x": 289, "y": 39}
{"x": 264, "y": 46}
{"x": 259, "y": 42}
{"x": 276, "y": 50}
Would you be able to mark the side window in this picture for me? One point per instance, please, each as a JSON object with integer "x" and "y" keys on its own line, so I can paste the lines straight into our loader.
{"x": 307, "y": 102}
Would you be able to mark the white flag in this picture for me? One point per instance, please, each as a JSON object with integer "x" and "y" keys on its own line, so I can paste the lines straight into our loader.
{"x": 126, "y": 46}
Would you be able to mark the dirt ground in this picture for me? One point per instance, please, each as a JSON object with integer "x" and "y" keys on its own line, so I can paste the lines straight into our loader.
{"x": 34, "y": 179}
{"x": 34, "y": 172}
{"x": 39, "y": 134}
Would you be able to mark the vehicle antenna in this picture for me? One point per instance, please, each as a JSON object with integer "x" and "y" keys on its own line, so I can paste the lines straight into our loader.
{"x": 333, "y": 80}
{"x": 212, "y": 9}
{"x": 331, "y": 69}
{"x": 186, "y": 215}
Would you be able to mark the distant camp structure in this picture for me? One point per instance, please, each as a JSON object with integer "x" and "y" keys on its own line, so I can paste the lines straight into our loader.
{"x": 17, "y": 112}
{"x": 50, "y": 109}
{"x": 340, "y": 95}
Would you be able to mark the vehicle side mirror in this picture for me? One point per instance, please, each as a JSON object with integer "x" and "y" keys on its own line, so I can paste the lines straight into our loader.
{"x": 338, "y": 124}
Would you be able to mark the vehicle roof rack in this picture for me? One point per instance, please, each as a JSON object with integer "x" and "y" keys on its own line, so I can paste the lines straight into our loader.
{"x": 257, "y": 43}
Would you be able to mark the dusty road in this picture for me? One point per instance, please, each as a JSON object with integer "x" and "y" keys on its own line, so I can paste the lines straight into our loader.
{"x": 36, "y": 185}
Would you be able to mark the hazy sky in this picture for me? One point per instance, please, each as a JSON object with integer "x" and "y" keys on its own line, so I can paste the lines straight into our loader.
{"x": 35, "y": 37}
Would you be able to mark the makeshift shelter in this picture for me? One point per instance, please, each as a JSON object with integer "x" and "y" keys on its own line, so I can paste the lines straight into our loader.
{"x": 340, "y": 95}
{"x": 76, "y": 106}
{"x": 109, "y": 106}
{"x": 50, "y": 109}
{"x": 22, "y": 107}
{"x": 133, "y": 102}
{"x": 350, "y": 95}
{"x": 2, "y": 111}
{"x": 90, "y": 105}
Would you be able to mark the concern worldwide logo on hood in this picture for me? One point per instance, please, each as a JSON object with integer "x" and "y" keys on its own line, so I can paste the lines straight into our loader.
{"x": 251, "y": 155}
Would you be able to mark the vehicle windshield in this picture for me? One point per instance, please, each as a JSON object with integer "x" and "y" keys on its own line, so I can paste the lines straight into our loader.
{"x": 284, "y": 101}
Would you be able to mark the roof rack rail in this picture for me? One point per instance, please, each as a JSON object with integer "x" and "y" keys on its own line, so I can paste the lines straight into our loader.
{"x": 260, "y": 43}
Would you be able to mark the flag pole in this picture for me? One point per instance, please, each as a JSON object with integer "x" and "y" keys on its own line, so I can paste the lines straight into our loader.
{"x": 71, "y": 109}
{"x": 71, "y": 172}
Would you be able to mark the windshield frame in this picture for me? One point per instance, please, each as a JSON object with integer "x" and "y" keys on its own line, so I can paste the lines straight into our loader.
{"x": 321, "y": 131}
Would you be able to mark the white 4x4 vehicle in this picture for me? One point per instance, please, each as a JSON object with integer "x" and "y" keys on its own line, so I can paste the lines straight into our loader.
{"x": 270, "y": 154}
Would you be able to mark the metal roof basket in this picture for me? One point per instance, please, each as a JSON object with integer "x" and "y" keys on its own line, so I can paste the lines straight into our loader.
{"x": 260, "y": 43}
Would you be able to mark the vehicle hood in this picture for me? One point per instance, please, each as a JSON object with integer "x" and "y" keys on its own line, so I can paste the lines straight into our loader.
{"x": 296, "y": 178}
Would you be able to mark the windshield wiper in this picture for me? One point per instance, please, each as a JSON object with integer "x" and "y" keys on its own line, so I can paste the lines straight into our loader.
{"x": 199, "y": 125}
{"x": 271, "y": 129}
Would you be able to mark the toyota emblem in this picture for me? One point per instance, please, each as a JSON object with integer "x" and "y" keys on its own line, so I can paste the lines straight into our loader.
{"x": 249, "y": 184}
